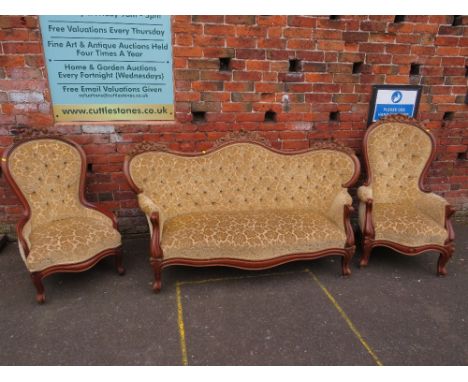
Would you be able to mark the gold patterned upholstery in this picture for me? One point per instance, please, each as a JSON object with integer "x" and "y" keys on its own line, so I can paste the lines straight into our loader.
{"x": 397, "y": 153}
{"x": 69, "y": 241}
{"x": 253, "y": 235}
{"x": 407, "y": 225}
{"x": 401, "y": 212}
{"x": 61, "y": 230}
{"x": 245, "y": 201}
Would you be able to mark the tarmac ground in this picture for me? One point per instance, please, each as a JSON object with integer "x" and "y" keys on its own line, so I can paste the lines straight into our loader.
{"x": 394, "y": 312}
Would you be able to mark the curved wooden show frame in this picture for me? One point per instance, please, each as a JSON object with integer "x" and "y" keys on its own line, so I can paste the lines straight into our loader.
{"x": 157, "y": 258}
{"x": 446, "y": 251}
{"x": 76, "y": 267}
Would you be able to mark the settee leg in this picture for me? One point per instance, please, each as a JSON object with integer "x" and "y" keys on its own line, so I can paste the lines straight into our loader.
{"x": 37, "y": 281}
{"x": 346, "y": 260}
{"x": 444, "y": 257}
{"x": 157, "y": 268}
{"x": 366, "y": 253}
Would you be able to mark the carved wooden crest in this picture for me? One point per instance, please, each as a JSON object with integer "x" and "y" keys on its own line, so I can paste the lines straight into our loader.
{"x": 331, "y": 145}
{"x": 234, "y": 137}
{"x": 400, "y": 118}
{"x": 145, "y": 146}
{"x": 397, "y": 118}
{"x": 242, "y": 136}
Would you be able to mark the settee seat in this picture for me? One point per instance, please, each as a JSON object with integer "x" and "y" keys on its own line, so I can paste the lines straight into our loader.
{"x": 249, "y": 235}
{"x": 69, "y": 241}
{"x": 406, "y": 224}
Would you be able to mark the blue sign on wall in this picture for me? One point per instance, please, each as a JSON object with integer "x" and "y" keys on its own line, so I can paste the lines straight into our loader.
{"x": 109, "y": 67}
{"x": 388, "y": 99}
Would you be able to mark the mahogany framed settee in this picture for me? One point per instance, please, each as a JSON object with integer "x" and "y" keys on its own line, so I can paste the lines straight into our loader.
{"x": 244, "y": 204}
{"x": 60, "y": 231}
{"x": 396, "y": 210}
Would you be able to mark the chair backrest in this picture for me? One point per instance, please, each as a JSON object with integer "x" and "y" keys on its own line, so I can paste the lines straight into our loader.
{"x": 397, "y": 152}
{"x": 241, "y": 176}
{"x": 48, "y": 173}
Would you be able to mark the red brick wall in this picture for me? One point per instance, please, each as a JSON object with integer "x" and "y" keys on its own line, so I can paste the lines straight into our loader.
{"x": 257, "y": 81}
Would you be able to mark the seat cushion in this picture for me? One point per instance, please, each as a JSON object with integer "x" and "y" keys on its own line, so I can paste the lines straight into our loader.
{"x": 249, "y": 235}
{"x": 407, "y": 225}
{"x": 69, "y": 241}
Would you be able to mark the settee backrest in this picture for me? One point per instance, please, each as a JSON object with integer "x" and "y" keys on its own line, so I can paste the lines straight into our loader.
{"x": 241, "y": 176}
{"x": 397, "y": 154}
{"x": 47, "y": 173}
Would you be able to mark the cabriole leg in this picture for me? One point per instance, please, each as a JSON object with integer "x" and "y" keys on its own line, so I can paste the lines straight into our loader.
{"x": 443, "y": 260}
{"x": 157, "y": 268}
{"x": 346, "y": 261}
{"x": 37, "y": 281}
{"x": 366, "y": 253}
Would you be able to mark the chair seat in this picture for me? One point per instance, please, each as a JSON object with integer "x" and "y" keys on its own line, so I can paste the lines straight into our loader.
{"x": 70, "y": 241}
{"x": 407, "y": 225}
{"x": 249, "y": 235}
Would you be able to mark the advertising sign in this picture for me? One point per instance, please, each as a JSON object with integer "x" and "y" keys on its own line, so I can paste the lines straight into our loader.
{"x": 109, "y": 68}
{"x": 388, "y": 99}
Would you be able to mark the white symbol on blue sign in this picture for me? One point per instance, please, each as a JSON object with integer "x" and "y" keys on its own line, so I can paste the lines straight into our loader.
{"x": 397, "y": 96}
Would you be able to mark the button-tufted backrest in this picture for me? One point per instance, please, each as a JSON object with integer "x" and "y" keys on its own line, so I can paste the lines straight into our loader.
{"x": 397, "y": 154}
{"x": 47, "y": 171}
{"x": 241, "y": 176}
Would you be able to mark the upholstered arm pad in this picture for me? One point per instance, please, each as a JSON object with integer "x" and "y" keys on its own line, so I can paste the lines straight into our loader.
{"x": 432, "y": 205}
{"x": 336, "y": 211}
{"x": 26, "y": 231}
{"x": 146, "y": 204}
{"x": 365, "y": 193}
{"x": 148, "y": 207}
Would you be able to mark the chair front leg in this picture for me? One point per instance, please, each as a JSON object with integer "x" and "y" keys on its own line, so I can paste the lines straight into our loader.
{"x": 444, "y": 258}
{"x": 157, "y": 270}
{"x": 368, "y": 235}
{"x": 350, "y": 247}
{"x": 37, "y": 281}
{"x": 156, "y": 252}
{"x": 446, "y": 255}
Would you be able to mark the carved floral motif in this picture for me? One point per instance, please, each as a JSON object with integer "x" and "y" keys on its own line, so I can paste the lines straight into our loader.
{"x": 143, "y": 147}
{"x": 242, "y": 135}
{"x": 331, "y": 145}
{"x": 400, "y": 118}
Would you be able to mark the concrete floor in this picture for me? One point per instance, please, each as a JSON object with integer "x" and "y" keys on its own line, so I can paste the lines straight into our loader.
{"x": 395, "y": 312}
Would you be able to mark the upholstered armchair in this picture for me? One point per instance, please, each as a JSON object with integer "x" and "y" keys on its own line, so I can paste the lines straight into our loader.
{"x": 60, "y": 230}
{"x": 396, "y": 211}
